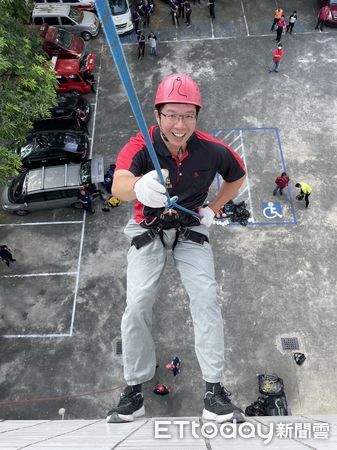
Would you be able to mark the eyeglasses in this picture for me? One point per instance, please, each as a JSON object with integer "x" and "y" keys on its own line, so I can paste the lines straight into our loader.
{"x": 174, "y": 118}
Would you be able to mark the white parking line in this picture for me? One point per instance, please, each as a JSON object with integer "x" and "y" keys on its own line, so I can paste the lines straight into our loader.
{"x": 247, "y": 177}
{"x": 212, "y": 28}
{"x": 244, "y": 16}
{"x": 39, "y": 223}
{"x": 15, "y": 336}
{"x": 77, "y": 278}
{"x": 96, "y": 98}
{"x": 84, "y": 215}
{"x": 44, "y": 274}
{"x": 223, "y": 38}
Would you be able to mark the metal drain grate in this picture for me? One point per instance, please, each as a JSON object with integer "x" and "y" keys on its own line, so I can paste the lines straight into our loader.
{"x": 119, "y": 349}
{"x": 290, "y": 343}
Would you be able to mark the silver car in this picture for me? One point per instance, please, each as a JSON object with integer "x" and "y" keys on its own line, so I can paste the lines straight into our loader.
{"x": 50, "y": 187}
{"x": 83, "y": 23}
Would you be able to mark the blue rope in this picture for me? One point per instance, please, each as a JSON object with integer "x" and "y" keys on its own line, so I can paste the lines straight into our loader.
{"x": 116, "y": 49}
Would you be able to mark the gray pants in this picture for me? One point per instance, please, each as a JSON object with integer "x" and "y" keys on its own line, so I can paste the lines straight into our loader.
{"x": 145, "y": 268}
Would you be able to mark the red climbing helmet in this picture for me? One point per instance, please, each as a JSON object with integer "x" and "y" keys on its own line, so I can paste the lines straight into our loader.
{"x": 178, "y": 88}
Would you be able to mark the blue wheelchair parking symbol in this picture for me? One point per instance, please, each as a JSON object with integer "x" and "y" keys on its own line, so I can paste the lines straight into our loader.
{"x": 272, "y": 210}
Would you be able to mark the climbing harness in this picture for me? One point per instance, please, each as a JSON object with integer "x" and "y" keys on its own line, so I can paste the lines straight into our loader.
{"x": 168, "y": 219}
{"x": 115, "y": 46}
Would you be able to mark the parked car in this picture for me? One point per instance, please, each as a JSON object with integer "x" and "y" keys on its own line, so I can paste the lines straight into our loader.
{"x": 72, "y": 74}
{"x": 51, "y": 124}
{"x": 68, "y": 104}
{"x": 83, "y": 23}
{"x": 332, "y": 20}
{"x": 53, "y": 147}
{"x": 50, "y": 187}
{"x": 87, "y": 5}
{"x": 59, "y": 42}
{"x": 121, "y": 15}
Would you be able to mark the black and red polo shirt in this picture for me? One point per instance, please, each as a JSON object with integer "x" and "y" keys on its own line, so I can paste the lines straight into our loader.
{"x": 191, "y": 175}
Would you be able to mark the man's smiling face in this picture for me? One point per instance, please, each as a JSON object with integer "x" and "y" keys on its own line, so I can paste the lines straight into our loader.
{"x": 180, "y": 130}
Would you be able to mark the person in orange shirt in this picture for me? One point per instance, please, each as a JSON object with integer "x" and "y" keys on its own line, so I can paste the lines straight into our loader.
{"x": 277, "y": 16}
{"x": 278, "y": 55}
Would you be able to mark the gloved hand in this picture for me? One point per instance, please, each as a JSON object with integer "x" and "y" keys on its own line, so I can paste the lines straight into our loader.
{"x": 150, "y": 191}
{"x": 207, "y": 215}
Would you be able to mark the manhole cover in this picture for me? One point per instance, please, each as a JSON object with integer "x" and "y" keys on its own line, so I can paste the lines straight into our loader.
{"x": 290, "y": 343}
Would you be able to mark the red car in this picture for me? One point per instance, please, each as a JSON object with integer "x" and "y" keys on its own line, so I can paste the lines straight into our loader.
{"x": 61, "y": 43}
{"x": 73, "y": 75}
{"x": 332, "y": 4}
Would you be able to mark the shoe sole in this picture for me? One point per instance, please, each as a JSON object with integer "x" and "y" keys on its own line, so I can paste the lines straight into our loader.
{"x": 236, "y": 416}
{"x": 119, "y": 418}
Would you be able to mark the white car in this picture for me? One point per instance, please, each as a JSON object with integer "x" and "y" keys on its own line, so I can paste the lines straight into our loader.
{"x": 121, "y": 14}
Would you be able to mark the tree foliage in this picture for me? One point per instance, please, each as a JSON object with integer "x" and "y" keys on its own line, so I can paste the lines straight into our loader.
{"x": 27, "y": 83}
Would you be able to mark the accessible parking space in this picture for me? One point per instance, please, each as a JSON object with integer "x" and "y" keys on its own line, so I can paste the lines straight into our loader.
{"x": 260, "y": 147}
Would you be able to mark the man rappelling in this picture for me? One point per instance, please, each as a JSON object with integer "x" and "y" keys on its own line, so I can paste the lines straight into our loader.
{"x": 189, "y": 161}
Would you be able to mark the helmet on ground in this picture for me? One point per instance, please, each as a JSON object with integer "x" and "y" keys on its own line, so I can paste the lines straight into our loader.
{"x": 178, "y": 88}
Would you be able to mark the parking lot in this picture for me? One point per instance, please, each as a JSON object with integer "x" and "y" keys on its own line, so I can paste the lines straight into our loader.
{"x": 62, "y": 301}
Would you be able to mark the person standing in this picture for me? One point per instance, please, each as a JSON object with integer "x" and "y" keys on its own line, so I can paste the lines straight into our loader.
{"x": 305, "y": 191}
{"x": 211, "y": 5}
{"x": 291, "y": 22}
{"x": 190, "y": 160}
{"x": 89, "y": 79}
{"x": 277, "y": 16}
{"x": 141, "y": 45}
{"x": 281, "y": 182}
{"x": 181, "y": 8}
{"x": 278, "y": 55}
{"x": 153, "y": 43}
{"x": 136, "y": 21}
{"x": 188, "y": 12}
{"x": 6, "y": 255}
{"x": 174, "y": 9}
{"x": 81, "y": 119}
{"x": 323, "y": 16}
{"x": 281, "y": 27}
{"x": 146, "y": 9}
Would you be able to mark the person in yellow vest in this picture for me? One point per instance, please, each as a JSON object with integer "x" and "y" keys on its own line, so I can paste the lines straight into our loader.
{"x": 305, "y": 191}
{"x": 277, "y": 16}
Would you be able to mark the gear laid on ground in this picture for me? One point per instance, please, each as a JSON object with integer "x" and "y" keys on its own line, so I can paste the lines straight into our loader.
{"x": 236, "y": 212}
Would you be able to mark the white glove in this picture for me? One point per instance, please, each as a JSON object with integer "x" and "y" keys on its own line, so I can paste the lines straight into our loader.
{"x": 207, "y": 216}
{"x": 150, "y": 191}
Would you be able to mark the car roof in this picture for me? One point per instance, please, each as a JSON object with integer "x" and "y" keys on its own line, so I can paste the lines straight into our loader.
{"x": 66, "y": 66}
{"x": 51, "y": 9}
{"x": 66, "y": 102}
{"x": 53, "y": 177}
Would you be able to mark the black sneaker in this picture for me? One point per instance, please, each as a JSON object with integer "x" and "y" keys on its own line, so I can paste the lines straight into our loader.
{"x": 130, "y": 407}
{"x": 218, "y": 407}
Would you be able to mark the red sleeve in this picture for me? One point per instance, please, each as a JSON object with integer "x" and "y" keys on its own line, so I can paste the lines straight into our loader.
{"x": 127, "y": 157}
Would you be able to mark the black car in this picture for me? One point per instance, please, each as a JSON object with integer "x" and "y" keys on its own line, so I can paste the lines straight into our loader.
{"x": 67, "y": 123}
{"x": 68, "y": 104}
{"x": 53, "y": 147}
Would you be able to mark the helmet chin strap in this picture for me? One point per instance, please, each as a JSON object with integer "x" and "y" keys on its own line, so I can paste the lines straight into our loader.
{"x": 163, "y": 136}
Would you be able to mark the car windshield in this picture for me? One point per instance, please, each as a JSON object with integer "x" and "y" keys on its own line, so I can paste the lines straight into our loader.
{"x": 17, "y": 189}
{"x": 118, "y": 7}
{"x": 30, "y": 148}
{"x": 85, "y": 172}
{"x": 64, "y": 38}
{"x": 76, "y": 14}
